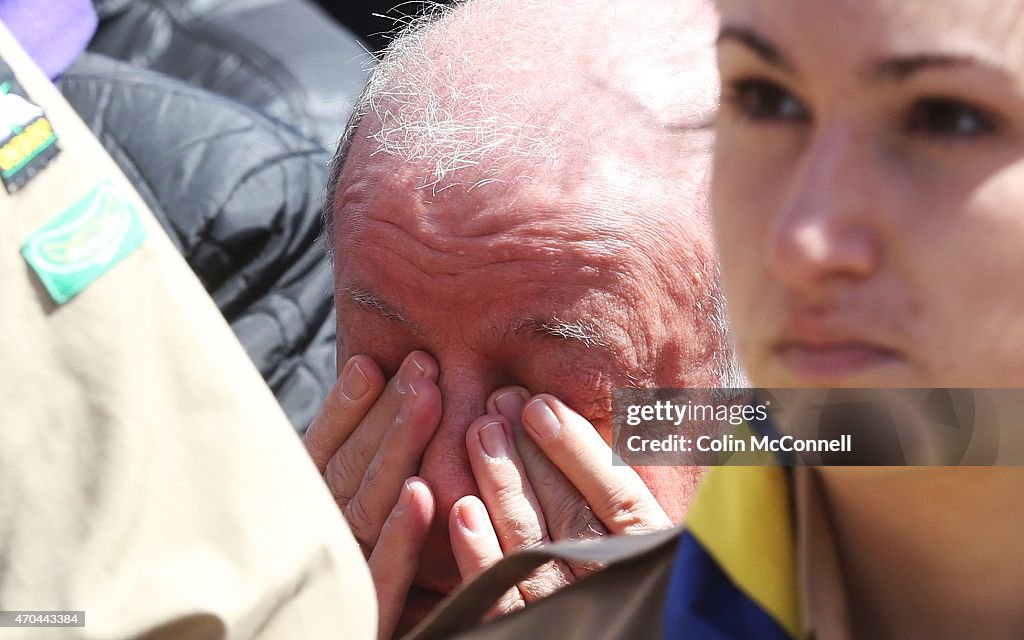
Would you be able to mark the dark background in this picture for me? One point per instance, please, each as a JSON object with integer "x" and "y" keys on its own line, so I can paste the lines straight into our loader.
{"x": 358, "y": 15}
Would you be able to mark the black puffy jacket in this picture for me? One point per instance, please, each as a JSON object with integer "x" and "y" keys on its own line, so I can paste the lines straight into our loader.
{"x": 285, "y": 58}
{"x": 224, "y": 114}
{"x": 239, "y": 194}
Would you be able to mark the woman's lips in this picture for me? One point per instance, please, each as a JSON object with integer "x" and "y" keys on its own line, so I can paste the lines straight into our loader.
{"x": 833, "y": 361}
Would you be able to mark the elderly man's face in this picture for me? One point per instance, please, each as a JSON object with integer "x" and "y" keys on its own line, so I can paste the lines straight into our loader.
{"x": 571, "y": 289}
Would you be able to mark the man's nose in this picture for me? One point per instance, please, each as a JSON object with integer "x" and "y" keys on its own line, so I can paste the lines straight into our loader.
{"x": 829, "y": 225}
{"x": 445, "y": 464}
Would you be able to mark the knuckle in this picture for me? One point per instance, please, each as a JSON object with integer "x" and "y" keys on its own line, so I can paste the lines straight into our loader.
{"x": 361, "y": 523}
{"x": 508, "y": 498}
{"x": 567, "y": 512}
{"x": 580, "y": 569}
{"x": 584, "y": 525}
{"x": 370, "y": 474}
{"x": 544, "y": 581}
{"x": 548, "y": 477}
{"x": 335, "y": 477}
{"x": 510, "y": 602}
{"x": 625, "y": 510}
{"x": 513, "y": 605}
{"x": 518, "y": 532}
{"x": 343, "y": 474}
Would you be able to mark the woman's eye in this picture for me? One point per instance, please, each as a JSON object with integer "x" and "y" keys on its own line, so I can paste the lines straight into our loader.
{"x": 764, "y": 100}
{"x": 949, "y": 118}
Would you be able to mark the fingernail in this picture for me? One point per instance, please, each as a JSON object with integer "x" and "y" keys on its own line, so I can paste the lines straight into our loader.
{"x": 410, "y": 370}
{"x": 492, "y": 439}
{"x": 510, "y": 404}
{"x": 470, "y": 517}
{"x": 354, "y": 383}
{"x": 541, "y": 419}
{"x": 405, "y": 499}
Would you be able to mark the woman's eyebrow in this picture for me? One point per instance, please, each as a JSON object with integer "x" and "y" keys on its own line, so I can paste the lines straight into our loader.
{"x": 892, "y": 69}
{"x": 757, "y": 43}
{"x": 901, "y": 68}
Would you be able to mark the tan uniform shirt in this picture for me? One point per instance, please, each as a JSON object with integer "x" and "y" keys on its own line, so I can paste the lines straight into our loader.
{"x": 147, "y": 475}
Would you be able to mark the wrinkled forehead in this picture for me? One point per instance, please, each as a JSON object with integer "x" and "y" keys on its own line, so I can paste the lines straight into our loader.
{"x": 605, "y": 200}
{"x": 856, "y": 33}
{"x": 380, "y": 194}
{"x": 512, "y": 258}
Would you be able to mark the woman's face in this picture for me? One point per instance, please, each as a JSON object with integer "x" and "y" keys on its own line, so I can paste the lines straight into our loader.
{"x": 869, "y": 190}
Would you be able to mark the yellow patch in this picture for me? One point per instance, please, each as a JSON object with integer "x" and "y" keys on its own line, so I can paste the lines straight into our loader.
{"x": 19, "y": 150}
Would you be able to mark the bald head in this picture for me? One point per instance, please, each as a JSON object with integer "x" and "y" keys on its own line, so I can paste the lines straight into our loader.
{"x": 507, "y": 91}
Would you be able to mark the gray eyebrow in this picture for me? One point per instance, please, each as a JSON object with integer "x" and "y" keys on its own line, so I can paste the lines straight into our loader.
{"x": 580, "y": 331}
{"x": 367, "y": 300}
{"x": 585, "y": 333}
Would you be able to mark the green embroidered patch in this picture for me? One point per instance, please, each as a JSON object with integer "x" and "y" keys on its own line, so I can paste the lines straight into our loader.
{"x": 74, "y": 249}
